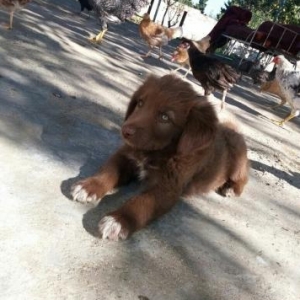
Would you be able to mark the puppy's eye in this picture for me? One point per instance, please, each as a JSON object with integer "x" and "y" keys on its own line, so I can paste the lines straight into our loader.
{"x": 140, "y": 103}
{"x": 163, "y": 117}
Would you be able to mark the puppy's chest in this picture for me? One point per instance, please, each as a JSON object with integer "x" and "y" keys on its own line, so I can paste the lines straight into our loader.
{"x": 148, "y": 166}
{"x": 143, "y": 169}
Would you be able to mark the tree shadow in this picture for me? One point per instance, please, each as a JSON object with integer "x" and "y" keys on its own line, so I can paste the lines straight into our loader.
{"x": 264, "y": 100}
{"x": 292, "y": 178}
{"x": 66, "y": 102}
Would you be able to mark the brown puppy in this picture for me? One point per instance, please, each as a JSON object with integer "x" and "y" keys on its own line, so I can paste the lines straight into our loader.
{"x": 176, "y": 145}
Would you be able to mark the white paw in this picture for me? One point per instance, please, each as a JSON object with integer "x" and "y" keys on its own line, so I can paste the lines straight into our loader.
{"x": 81, "y": 195}
{"x": 110, "y": 229}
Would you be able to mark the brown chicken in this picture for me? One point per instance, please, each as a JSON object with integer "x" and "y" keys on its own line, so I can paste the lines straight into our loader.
{"x": 12, "y": 6}
{"x": 157, "y": 35}
{"x": 272, "y": 87}
{"x": 212, "y": 73}
{"x": 181, "y": 56}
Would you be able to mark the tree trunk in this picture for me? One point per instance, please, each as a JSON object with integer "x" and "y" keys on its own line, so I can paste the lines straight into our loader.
{"x": 165, "y": 13}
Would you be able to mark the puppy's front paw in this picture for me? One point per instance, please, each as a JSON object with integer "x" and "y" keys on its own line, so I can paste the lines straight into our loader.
{"x": 112, "y": 229}
{"x": 226, "y": 192}
{"x": 87, "y": 191}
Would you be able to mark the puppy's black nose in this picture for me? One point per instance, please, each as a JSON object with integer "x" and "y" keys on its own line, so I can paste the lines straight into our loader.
{"x": 128, "y": 131}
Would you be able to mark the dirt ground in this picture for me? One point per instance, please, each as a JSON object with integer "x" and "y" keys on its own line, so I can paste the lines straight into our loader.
{"x": 62, "y": 102}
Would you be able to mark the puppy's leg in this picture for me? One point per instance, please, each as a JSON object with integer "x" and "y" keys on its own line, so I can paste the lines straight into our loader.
{"x": 117, "y": 171}
{"x": 138, "y": 212}
{"x": 226, "y": 190}
{"x": 234, "y": 186}
{"x": 239, "y": 185}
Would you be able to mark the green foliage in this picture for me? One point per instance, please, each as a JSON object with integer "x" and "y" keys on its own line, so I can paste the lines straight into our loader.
{"x": 281, "y": 11}
{"x": 201, "y": 5}
{"x": 186, "y": 2}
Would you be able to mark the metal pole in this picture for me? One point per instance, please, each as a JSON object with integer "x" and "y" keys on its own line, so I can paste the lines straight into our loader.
{"x": 150, "y": 7}
{"x": 183, "y": 18}
{"x": 157, "y": 9}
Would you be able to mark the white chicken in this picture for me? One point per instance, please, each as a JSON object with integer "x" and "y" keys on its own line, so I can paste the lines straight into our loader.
{"x": 289, "y": 81}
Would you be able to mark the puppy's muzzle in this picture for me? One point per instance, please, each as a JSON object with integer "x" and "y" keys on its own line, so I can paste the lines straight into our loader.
{"x": 128, "y": 131}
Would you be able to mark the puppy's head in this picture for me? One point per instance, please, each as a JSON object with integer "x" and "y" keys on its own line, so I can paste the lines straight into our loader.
{"x": 166, "y": 112}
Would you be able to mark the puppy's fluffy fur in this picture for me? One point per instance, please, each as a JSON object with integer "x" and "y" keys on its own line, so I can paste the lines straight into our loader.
{"x": 174, "y": 142}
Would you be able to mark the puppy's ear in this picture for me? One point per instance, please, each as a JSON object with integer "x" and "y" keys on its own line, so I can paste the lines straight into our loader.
{"x": 200, "y": 129}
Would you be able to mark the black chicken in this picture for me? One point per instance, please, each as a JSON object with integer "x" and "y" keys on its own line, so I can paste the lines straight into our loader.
{"x": 209, "y": 71}
{"x": 85, "y": 4}
{"x": 114, "y": 11}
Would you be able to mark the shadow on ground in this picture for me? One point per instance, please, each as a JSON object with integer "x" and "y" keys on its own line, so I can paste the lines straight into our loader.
{"x": 66, "y": 98}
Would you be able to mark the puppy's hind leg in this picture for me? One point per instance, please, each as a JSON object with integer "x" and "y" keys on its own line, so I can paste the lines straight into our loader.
{"x": 238, "y": 177}
{"x": 236, "y": 182}
{"x": 226, "y": 190}
{"x": 240, "y": 183}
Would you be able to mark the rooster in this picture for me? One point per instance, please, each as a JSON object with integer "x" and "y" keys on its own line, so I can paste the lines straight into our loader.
{"x": 272, "y": 87}
{"x": 157, "y": 35}
{"x": 12, "y": 6}
{"x": 209, "y": 71}
{"x": 113, "y": 11}
{"x": 181, "y": 56}
{"x": 289, "y": 82}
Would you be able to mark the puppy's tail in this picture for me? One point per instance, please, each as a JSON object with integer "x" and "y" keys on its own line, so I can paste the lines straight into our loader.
{"x": 232, "y": 125}
{"x": 229, "y": 120}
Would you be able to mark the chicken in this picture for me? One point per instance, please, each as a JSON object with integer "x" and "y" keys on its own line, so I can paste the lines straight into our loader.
{"x": 85, "y": 4}
{"x": 289, "y": 82}
{"x": 181, "y": 56}
{"x": 209, "y": 71}
{"x": 157, "y": 35}
{"x": 113, "y": 11}
{"x": 272, "y": 87}
{"x": 12, "y": 6}
{"x": 260, "y": 74}
{"x": 204, "y": 44}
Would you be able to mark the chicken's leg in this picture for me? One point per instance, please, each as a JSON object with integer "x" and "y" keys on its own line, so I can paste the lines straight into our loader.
{"x": 11, "y": 16}
{"x": 187, "y": 72}
{"x": 223, "y": 99}
{"x": 160, "y": 54}
{"x": 99, "y": 37}
{"x": 283, "y": 101}
{"x": 179, "y": 68}
{"x": 182, "y": 68}
{"x": 148, "y": 53}
{"x": 292, "y": 115}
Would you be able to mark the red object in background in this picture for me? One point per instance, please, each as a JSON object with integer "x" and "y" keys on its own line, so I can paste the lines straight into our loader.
{"x": 283, "y": 38}
{"x": 234, "y": 15}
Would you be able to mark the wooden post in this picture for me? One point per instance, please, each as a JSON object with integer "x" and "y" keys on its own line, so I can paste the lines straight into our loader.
{"x": 157, "y": 9}
{"x": 150, "y": 7}
{"x": 183, "y": 18}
